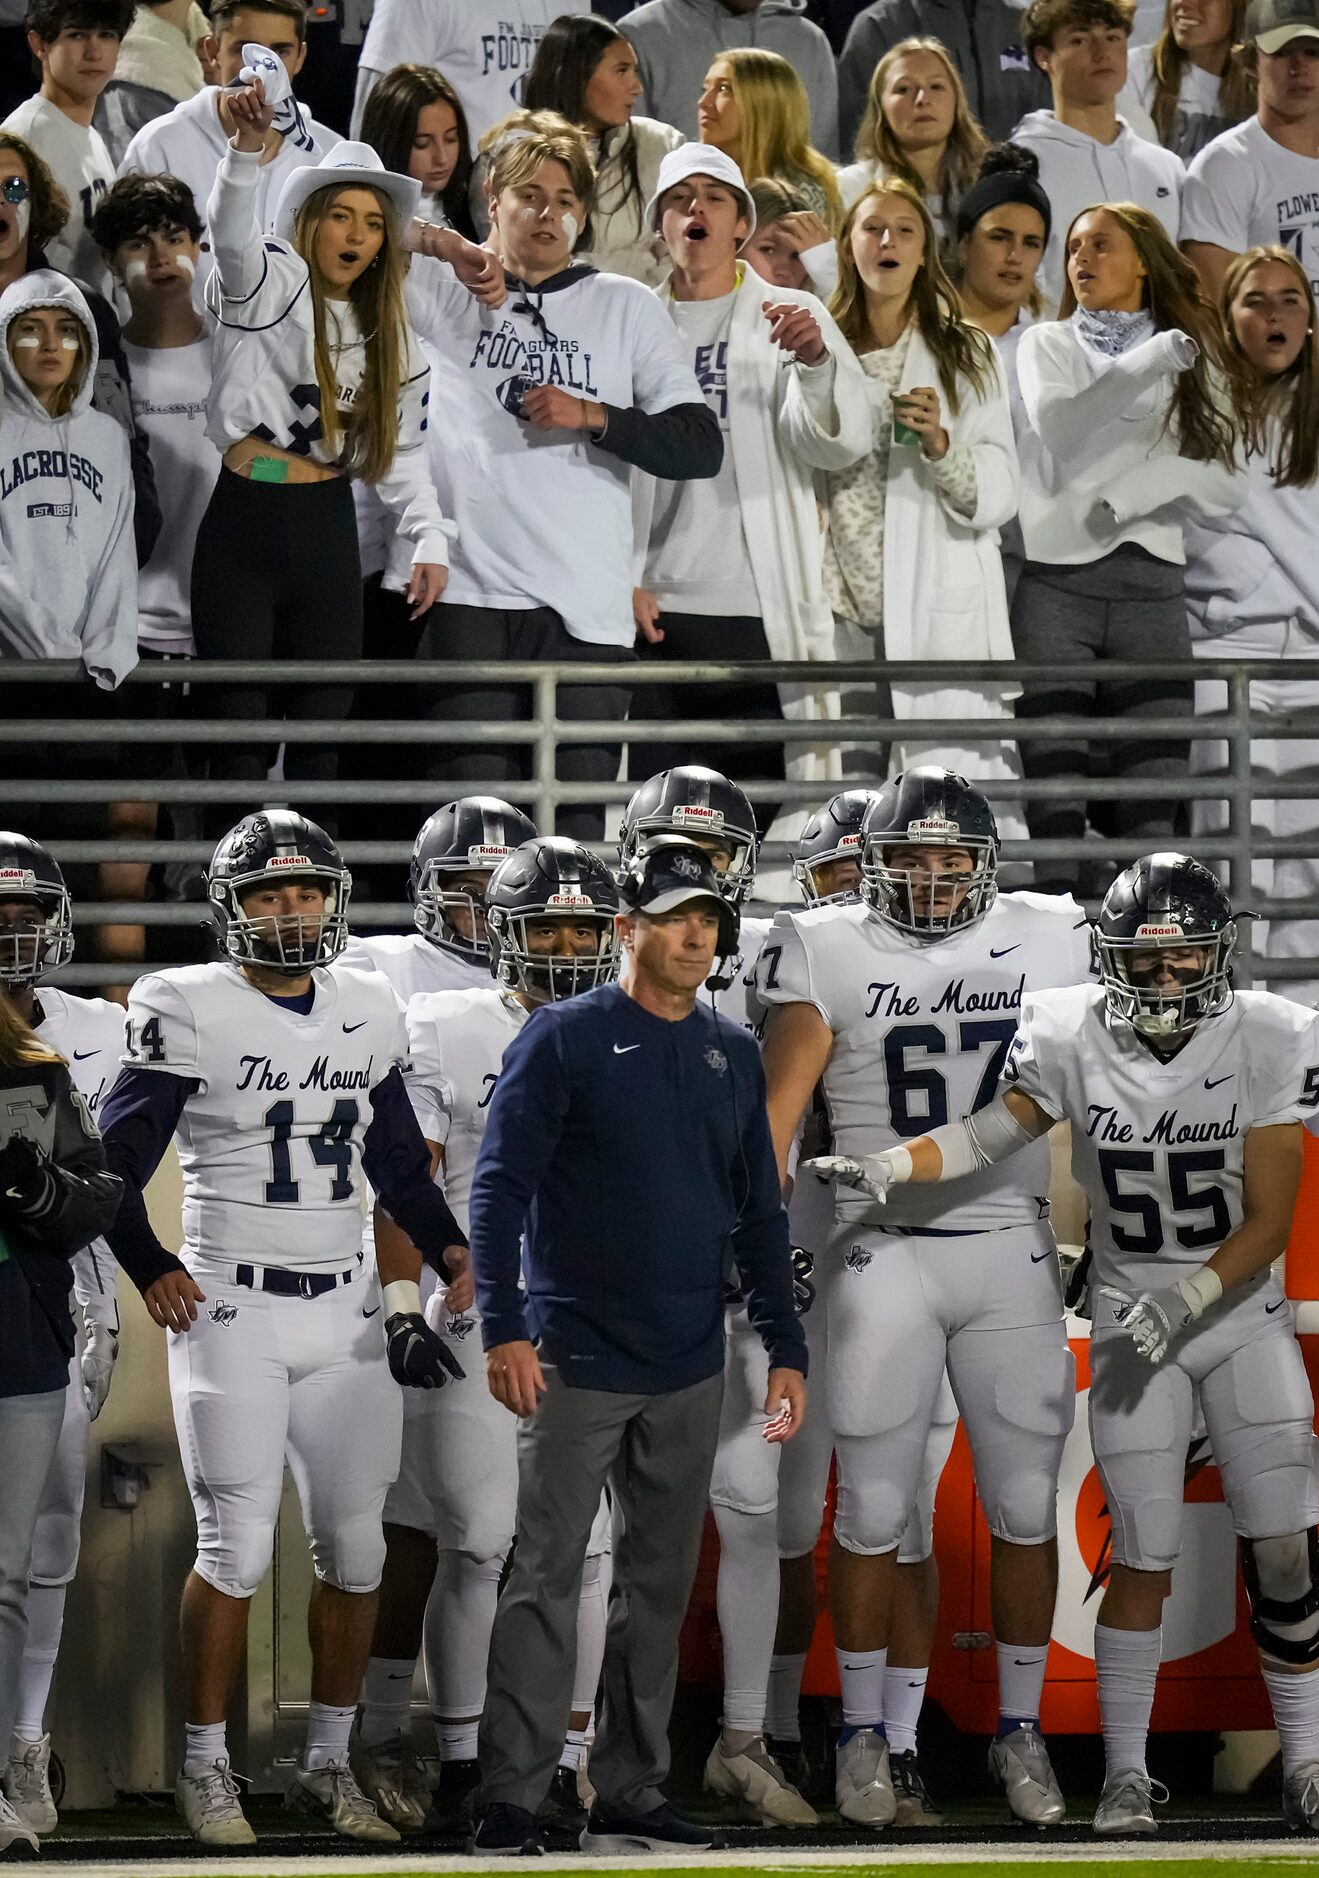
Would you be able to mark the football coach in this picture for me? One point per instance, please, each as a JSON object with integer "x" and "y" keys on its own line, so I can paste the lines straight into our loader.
{"x": 627, "y": 1135}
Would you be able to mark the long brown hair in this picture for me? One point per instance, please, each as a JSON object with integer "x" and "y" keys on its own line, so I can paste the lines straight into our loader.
{"x": 389, "y": 125}
{"x": 875, "y": 142}
{"x": 369, "y": 438}
{"x": 1168, "y": 63}
{"x": 961, "y": 351}
{"x": 1205, "y": 431}
{"x": 1288, "y": 400}
{"x": 776, "y": 125}
{"x": 19, "y": 1044}
{"x": 50, "y": 205}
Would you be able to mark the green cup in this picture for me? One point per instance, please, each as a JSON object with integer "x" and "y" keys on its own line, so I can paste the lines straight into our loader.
{"x": 902, "y": 433}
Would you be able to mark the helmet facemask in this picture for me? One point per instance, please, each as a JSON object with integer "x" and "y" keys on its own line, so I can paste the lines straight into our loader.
{"x": 707, "y": 828}
{"x": 926, "y": 904}
{"x": 804, "y": 872}
{"x": 40, "y": 944}
{"x": 290, "y": 943}
{"x": 552, "y": 977}
{"x": 436, "y": 904}
{"x": 1162, "y": 1012}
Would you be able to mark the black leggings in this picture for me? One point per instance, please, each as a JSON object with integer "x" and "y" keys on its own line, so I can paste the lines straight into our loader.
{"x": 276, "y": 575}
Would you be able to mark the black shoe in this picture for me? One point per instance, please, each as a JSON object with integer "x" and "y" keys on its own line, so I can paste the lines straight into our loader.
{"x": 612, "y": 1830}
{"x": 451, "y": 1801}
{"x": 915, "y": 1807}
{"x": 506, "y": 1832}
{"x": 791, "y": 1757}
{"x": 561, "y": 1816}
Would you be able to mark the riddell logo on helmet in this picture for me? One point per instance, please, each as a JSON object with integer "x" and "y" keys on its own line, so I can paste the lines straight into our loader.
{"x": 696, "y": 815}
{"x": 849, "y": 841}
{"x": 486, "y": 851}
{"x": 1159, "y": 932}
{"x": 569, "y": 899}
{"x": 287, "y": 860}
{"x": 17, "y": 877}
{"x": 932, "y": 825}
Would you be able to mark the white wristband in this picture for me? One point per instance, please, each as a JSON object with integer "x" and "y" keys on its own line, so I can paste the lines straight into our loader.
{"x": 899, "y": 1160}
{"x": 1200, "y": 1289}
{"x": 402, "y": 1297}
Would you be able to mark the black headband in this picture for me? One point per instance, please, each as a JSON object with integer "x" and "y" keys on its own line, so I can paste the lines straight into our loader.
{"x": 991, "y": 192}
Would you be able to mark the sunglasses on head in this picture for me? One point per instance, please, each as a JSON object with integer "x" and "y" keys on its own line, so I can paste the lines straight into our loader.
{"x": 15, "y": 189}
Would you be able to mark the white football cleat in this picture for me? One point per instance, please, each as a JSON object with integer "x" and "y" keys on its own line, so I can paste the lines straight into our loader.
{"x": 1020, "y": 1765}
{"x": 758, "y": 1786}
{"x": 392, "y": 1776}
{"x": 1300, "y": 1798}
{"x": 27, "y": 1784}
{"x": 1126, "y": 1806}
{"x": 863, "y": 1787}
{"x": 209, "y": 1805}
{"x": 16, "y": 1839}
{"x": 332, "y": 1792}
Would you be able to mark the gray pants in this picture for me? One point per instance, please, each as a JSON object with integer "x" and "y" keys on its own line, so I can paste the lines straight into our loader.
{"x": 29, "y": 1434}
{"x": 1127, "y": 606}
{"x": 656, "y": 1452}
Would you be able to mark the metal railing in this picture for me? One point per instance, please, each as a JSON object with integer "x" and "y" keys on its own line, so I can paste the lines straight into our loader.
{"x": 1240, "y": 845}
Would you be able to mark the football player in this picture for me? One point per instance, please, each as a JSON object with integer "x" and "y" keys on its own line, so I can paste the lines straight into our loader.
{"x": 550, "y": 909}
{"x": 1186, "y": 1101}
{"x": 827, "y": 870}
{"x": 36, "y": 938}
{"x": 903, "y": 1008}
{"x": 456, "y": 851}
{"x": 279, "y": 1074}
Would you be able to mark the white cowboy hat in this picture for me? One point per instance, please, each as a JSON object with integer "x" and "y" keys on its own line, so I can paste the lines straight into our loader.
{"x": 350, "y": 165}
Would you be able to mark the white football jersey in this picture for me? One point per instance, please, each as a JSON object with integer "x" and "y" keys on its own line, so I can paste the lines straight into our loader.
{"x": 270, "y": 1141}
{"x": 89, "y": 1035}
{"x": 413, "y": 965}
{"x": 737, "y": 1001}
{"x": 1157, "y": 1146}
{"x": 457, "y": 1041}
{"x": 921, "y": 1033}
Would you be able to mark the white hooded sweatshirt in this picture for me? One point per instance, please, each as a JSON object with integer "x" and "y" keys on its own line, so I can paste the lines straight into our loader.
{"x": 68, "y": 567}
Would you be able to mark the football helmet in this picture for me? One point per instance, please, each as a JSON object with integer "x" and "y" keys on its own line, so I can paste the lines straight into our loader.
{"x": 30, "y": 872}
{"x": 274, "y": 846}
{"x": 929, "y": 808}
{"x": 548, "y": 877}
{"x": 832, "y": 834}
{"x": 473, "y": 833}
{"x": 1166, "y": 900}
{"x": 694, "y": 801}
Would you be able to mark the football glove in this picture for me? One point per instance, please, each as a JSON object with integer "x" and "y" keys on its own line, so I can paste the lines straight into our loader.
{"x": 871, "y": 1174}
{"x": 1152, "y": 1320}
{"x": 97, "y": 1365}
{"x": 803, "y": 1270}
{"x": 418, "y": 1358}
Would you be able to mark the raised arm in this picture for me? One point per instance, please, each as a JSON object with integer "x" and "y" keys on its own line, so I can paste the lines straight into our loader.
{"x": 1011, "y": 1122}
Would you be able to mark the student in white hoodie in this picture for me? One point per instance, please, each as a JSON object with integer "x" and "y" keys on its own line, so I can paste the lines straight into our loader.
{"x": 191, "y": 140}
{"x": 68, "y": 575}
{"x": 1087, "y": 154}
{"x": 1129, "y": 433}
{"x": 1252, "y": 579}
{"x": 734, "y": 569}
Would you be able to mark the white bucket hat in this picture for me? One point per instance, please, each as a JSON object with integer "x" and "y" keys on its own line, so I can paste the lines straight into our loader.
{"x": 349, "y": 165}
{"x": 699, "y": 159}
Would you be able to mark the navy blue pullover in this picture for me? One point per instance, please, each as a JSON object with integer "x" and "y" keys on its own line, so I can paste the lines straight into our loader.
{"x": 636, "y": 1153}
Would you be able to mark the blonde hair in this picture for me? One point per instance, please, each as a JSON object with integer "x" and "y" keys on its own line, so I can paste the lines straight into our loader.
{"x": 776, "y": 125}
{"x": 18, "y": 1043}
{"x": 368, "y": 439}
{"x": 967, "y": 143}
{"x": 962, "y": 352}
{"x": 1291, "y": 398}
{"x": 514, "y": 150}
{"x": 1168, "y": 63}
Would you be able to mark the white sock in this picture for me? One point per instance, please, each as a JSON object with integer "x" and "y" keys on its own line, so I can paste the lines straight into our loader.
{"x": 1021, "y": 1680}
{"x": 904, "y": 1694}
{"x": 205, "y": 1745}
{"x": 1126, "y": 1669}
{"x": 327, "y": 1735}
{"x": 592, "y": 1611}
{"x": 782, "y": 1710}
{"x": 45, "y": 1621}
{"x": 861, "y": 1680}
{"x": 460, "y": 1615}
{"x": 747, "y": 1597}
{"x": 574, "y": 1749}
{"x": 387, "y": 1698}
{"x": 457, "y": 1739}
{"x": 1295, "y": 1702}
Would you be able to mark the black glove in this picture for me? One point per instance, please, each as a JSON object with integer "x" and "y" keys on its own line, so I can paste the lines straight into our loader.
{"x": 803, "y": 1269}
{"x": 418, "y": 1359}
{"x": 25, "y": 1180}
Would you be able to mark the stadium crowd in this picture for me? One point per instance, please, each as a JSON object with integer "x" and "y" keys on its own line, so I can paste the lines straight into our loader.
{"x": 727, "y": 330}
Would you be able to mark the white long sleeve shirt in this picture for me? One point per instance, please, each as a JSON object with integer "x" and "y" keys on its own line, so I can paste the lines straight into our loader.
{"x": 265, "y": 358}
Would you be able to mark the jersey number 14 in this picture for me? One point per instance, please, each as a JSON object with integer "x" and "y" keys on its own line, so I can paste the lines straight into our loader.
{"x": 331, "y": 1146}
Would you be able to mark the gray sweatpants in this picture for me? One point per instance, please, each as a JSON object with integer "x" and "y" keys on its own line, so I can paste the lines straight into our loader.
{"x": 29, "y": 1434}
{"x": 1127, "y": 606}
{"x": 656, "y": 1452}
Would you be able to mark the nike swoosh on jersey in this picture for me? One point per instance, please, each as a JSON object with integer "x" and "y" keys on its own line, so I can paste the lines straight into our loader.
{"x": 371, "y": 1313}
{"x": 1004, "y": 950}
{"x": 1217, "y": 1079}
{"x": 1038, "y": 1258}
{"x": 348, "y": 1029}
{"x": 625, "y": 1049}
{"x": 1269, "y": 1309}
{"x": 80, "y": 1056}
